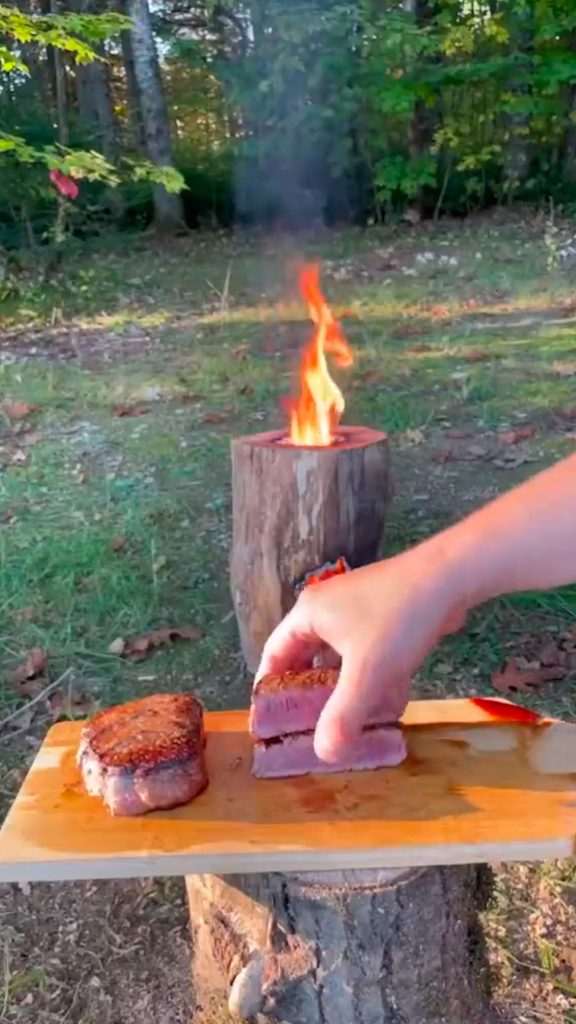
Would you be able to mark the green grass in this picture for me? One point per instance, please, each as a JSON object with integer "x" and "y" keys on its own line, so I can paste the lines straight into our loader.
{"x": 128, "y": 323}
{"x": 158, "y": 327}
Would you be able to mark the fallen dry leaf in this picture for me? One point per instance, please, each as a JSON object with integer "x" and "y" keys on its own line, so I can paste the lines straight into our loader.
{"x": 117, "y": 646}
{"x": 240, "y": 353}
{"x": 562, "y": 369}
{"x": 411, "y": 438}
{"x": 26, "y": 678}
{"x": 130, "y": 410}
{"x": 30, "y": 437}
{"x": 510, "y": 460}
{"x": 416, "y": 350}
{"x": 439, "y": 312}
{"x": 19, "y": 457}
{"x": 474, "y": 451}
{"x": 142, "y": 645}
{"x": 188, "y": 398}
{"x": 63, "y": 706}
{"x": 517, "y": 434}
{"x": 7, "y": 516}
{"x": 117, "y": 543}
{"x": 370, "y": 377}
{"x": 518, "y": 675}
{"x": 458, "y": 435}
{"x": 569, "y": 415}
{"x": 443, "y": 455}
{"x": 215, "y": 417}
{"x": 477, "y": 355}
{"x": 19, "y": 410}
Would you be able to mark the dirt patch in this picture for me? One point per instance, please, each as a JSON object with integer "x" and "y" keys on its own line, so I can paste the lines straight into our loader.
{"x": 96, "y": 953}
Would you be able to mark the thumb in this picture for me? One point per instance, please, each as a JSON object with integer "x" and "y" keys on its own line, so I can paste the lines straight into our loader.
{"x": 360, "y": 693}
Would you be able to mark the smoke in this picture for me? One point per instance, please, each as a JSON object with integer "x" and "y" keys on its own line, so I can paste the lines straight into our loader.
{"x": 292, "y": 167}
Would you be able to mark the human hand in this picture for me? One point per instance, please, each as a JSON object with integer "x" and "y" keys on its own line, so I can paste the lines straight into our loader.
{"x": 381, "y": 621}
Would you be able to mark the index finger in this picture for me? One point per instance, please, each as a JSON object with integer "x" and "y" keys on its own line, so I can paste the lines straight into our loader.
{"x": 291, "y": 646}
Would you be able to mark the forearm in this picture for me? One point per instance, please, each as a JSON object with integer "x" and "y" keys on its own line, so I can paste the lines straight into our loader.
{"x": 525, "y": 540}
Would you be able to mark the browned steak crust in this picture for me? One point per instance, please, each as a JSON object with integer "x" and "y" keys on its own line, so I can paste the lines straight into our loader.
{"x": 146, "y": 732}
{"x": 304, "y": 680}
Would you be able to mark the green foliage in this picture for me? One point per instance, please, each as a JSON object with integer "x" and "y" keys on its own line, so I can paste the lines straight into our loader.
{"x": 339, "y": 109}
{"x": 76, "y": 34}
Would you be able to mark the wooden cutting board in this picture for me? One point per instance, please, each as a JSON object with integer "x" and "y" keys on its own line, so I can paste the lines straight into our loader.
{"x": 481, "y": 783}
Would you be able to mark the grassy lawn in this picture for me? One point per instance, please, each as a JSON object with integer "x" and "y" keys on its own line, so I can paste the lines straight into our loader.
{"x": 112, "y": 525}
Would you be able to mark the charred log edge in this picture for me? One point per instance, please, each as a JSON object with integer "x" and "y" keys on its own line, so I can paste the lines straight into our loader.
{"x": 348, "y": 439}
{"x": 274, "y": 741}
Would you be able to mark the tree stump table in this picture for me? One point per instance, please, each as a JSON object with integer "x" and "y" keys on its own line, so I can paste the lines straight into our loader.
{"x": 350, "y": 947}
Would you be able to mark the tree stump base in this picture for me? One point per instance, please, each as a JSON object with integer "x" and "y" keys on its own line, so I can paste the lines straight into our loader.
{"x": 350, "y": 947}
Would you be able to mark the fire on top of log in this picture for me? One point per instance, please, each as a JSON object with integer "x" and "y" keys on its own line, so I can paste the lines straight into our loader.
{"x": 315, "y": 413}
{"x": 308, "y": 502}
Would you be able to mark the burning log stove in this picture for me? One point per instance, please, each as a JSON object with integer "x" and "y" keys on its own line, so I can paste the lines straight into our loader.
{"x": 308, "y": 499}
{"x": 340, "y": 946}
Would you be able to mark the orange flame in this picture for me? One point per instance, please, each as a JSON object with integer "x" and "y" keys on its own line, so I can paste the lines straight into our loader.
{"x": 315, "y": 414}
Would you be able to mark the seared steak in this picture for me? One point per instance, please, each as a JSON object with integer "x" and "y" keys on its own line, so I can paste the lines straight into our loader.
{"x": 379, "y": 746}
{"x": 292, "y": 702}
{"x": 145, "y": 755}
{"x": 283, "y": 716}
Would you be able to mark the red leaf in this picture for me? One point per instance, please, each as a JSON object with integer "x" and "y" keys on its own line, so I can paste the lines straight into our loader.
{"x": 19, "y": 410}
{"x": 517, "y": 434}
{"x": 515, "y": 677}
{"x": 65, "y": 184}
{"x": 130, "y": 410}
{"x": 142, "y": 645}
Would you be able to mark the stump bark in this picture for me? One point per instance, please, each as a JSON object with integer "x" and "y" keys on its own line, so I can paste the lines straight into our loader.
{"x": 295, "y": 509}
{"x": 353, "y": 947}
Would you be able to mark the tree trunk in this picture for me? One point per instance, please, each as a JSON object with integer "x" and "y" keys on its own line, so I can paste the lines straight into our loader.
{"x": 168, "y": 208}
{"x": 94, "y": 93}
{"x": 352, "y": 947}
{"x": 518, "y": 149}
{"x": 295, "y": 509}
{"x": 60, "y": 87}
{"x": 132, "y": 94}
{"x": 424, "y": 118}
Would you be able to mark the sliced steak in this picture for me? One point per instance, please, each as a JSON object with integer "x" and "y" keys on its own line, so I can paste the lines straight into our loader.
{"x": 377, "y": 747}
{"x": 292, "y": 702}
{"x": 283, "y": 716}
{"x": 145, "y": 755}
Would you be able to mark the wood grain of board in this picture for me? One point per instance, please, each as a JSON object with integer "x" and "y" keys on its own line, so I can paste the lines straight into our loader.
{"x": 477, "y": 786}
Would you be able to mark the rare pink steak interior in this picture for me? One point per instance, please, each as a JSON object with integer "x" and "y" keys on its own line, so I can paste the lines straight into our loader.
{"x": 283, "y": 716}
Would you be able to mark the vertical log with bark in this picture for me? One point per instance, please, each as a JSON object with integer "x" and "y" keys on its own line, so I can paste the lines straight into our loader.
{"x": 168, "y": 208}
{"x": 347, "y": 947}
